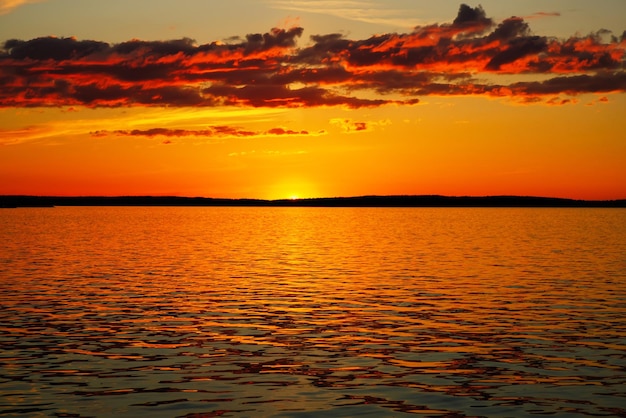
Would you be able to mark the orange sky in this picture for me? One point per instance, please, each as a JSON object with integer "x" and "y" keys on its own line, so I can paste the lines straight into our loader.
{"x": 469, "y": 105}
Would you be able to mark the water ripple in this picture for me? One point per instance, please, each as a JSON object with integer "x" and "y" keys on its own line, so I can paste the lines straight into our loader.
{"x": 296, "y": 312}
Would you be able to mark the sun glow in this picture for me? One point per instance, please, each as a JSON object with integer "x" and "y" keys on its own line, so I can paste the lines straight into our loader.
{"x": 293, "y": 188}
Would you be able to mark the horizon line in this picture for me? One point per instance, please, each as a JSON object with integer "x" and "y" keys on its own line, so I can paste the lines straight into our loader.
{"x": 13, "y": 201}
{"x": 178, "y": 196}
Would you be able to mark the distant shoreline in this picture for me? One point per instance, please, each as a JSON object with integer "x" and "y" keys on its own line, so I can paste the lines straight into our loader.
{"x": 16, "y": 201}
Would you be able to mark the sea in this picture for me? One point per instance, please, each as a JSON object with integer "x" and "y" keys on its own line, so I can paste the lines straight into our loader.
{"x": 312, "y": 312}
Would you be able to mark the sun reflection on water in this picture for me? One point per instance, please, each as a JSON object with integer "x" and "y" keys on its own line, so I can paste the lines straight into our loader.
{"x": 287, "y": 311}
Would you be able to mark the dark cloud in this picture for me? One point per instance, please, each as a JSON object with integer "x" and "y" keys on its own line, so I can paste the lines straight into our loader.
{"x": 209, "y": 132}
{"x": 272, "y": 70}
{"x": 283, "y": 131}
{"x": 509, "y": 29}
{"x": 277, "y": 38}
{"x": 605, "y": 82}
{"x": 517, "y": 48}
{"x": 52, "y": 48}
{"x": 156, "y": 48}
{"x": 268, "y": 95}
{"x": 471, "y": 16}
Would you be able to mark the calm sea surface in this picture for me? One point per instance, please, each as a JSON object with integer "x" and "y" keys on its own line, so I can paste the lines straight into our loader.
{"x": 304, "y": 312}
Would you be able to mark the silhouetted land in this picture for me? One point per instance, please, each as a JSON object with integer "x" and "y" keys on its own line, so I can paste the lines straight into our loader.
{"x": 358, "y": 201}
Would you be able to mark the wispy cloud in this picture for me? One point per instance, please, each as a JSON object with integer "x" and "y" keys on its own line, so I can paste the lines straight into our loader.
{"x": 270, "y": 153}
{"x": 28, "y": 133}
{"x": 541, "y": 15}
{"x": 351, "y": 126}
{"x": 141, "y": 123}
{"x": 356, "y": 10}
{"x": 7, "y": 6}
{"x": 472, "y": 55}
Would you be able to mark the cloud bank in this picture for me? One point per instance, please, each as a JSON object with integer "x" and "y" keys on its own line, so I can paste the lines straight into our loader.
{"x": 472, "y": 55}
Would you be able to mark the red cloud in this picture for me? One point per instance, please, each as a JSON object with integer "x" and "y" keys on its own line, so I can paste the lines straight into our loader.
{"x": 271, "y": 70}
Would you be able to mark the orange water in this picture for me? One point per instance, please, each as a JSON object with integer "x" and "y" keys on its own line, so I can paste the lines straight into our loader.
{"x": 299, "y": 312}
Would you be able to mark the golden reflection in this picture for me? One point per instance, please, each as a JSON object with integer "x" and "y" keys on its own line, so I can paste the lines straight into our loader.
{"x": 263, "y": 308}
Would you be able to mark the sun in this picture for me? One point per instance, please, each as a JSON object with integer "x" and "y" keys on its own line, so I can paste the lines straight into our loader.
{"x": 292, "y": 188}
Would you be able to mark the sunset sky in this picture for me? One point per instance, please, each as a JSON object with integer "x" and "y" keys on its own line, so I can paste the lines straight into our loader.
{"x": 310, "y": 98}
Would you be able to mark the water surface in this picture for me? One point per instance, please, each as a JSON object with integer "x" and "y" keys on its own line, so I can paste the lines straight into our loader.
{"x": 299, "y": 312}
